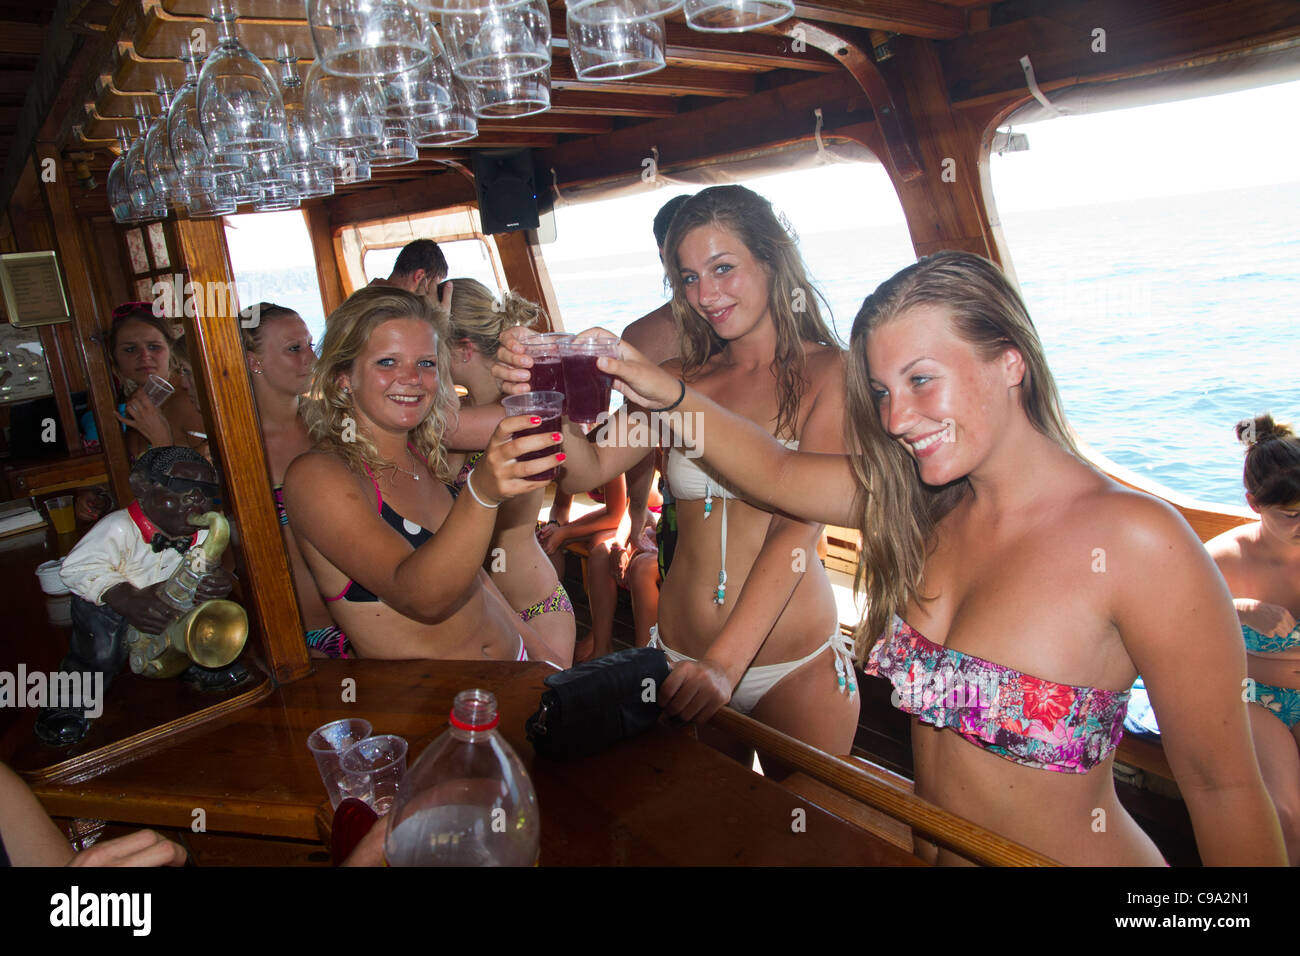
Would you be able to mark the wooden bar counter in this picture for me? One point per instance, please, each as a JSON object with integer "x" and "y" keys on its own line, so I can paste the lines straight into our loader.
{"x": 660, "y": 799}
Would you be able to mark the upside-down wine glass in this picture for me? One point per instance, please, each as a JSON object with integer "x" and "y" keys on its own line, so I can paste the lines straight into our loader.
{"x": 368, "y": 37}
{"x": 239, "y": 103}
{"x": 734, "y": 16}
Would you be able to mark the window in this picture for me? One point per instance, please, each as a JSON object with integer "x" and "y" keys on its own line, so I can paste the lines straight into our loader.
{"x": 272, "y": 260}
{"x": 470, "y": 258}
{"x": 150, "y": 253}
{"x": 1159, "y": 266}
{"x": 849, "y": 223}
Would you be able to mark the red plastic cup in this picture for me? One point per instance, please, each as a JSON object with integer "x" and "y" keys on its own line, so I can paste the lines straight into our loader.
{"x": 548, "y": 406}
{"x": 587, "y": 389}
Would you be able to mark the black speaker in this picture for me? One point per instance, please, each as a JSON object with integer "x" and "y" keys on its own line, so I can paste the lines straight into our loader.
{"x": 507, "y": 192}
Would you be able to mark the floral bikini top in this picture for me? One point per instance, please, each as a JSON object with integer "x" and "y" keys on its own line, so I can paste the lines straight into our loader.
{"x": 1035, "y": 722}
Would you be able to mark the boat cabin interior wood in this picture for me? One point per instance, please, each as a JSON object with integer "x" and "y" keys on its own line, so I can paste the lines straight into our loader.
{"x": 921, "y": 85}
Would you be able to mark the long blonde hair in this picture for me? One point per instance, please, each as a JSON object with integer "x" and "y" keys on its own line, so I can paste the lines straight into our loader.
{"x": 792, "y": 298}
{"x": 328, "y": 412}
{"x": 899, "y": 512}
{"x": 479, "y": 317}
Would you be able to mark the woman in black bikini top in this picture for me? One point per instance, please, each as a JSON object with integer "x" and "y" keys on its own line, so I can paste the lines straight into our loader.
{"x": 369, "y": 505}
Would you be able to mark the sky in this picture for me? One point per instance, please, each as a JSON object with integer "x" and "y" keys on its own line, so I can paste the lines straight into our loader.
{"x": 1072, "y": 160}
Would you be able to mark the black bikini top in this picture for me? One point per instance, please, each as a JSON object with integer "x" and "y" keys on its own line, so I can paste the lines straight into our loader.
{"x": 408, "y": 529}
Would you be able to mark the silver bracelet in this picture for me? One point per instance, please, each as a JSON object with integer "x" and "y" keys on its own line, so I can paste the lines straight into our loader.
{"x": 469, "y": 483}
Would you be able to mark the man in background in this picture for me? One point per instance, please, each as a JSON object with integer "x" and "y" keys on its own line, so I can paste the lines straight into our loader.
{"x": 419, "y": 268}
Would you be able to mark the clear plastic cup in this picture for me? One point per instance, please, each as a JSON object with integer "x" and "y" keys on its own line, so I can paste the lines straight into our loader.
{"x": 328, "y": 743}
{"x": 544, "y": 350}
{"x": 548, "y": 406}
{"x": 586, "y": 388}
{"x": 373, "y": 770}
{"x": 157, "y": 389}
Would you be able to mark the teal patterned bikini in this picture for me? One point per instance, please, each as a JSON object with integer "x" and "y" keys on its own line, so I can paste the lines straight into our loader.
{"x": 1282, "y": 702}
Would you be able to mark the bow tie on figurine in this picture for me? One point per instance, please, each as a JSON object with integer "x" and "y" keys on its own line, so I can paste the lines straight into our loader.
{"x": 161, "y": 543}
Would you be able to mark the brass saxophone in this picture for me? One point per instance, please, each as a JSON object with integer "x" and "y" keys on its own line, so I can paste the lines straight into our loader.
{"x": 212, "y": 634}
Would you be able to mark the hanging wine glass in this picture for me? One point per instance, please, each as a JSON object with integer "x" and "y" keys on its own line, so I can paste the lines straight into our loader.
{"x": 185, "y": 137}
{"x": 313, "y": 181}
{"x": 299, "y": 151}
{"x": 343, "y": 112}
{"x": 615, "y": 49}
{"x": 397, "y": 149}
{"x": 166, "y": 180}
{"x": 423, "y": 90}
{"x": 368, "y": 37}
{"x": 453, "y": 125}
{"x": 145, "y": 204}
{"x": 119, "y": 194}
{"x": 240, "y": 108}
{"x": 619, "y": 11}
{"x": 508, "y": 38}
{"x": 209, "y": 205}
{"x": 351, "y": 166}
{"x": 733, "y": 16}
{"x": 511, "y": 96}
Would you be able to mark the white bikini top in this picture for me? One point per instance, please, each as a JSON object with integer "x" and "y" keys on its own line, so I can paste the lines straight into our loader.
{"x": 689, "y": 482}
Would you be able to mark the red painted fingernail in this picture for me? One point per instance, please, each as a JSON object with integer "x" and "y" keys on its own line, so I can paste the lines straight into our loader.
{"x": 560, "y": 457}
{"x": 556, "y": 436}
{"x": 534, "y": 420}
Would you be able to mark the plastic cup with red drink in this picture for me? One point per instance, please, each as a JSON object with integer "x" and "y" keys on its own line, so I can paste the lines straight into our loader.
{"x": 544, "y": 350}
{"x": 587, "y": 389}
{"x": 548, "y": 406}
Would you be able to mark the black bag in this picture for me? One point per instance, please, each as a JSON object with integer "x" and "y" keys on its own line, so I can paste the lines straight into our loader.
{"x": 598, "y": 703}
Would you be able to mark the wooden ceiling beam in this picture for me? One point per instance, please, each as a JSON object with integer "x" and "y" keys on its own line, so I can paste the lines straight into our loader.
{"x": 918, "y": 18}
{"x": 1138, "y": 37}
{"x": 639, "y": 105}
{"x": 771, "y": 116}
{"x": 417, "y": 195}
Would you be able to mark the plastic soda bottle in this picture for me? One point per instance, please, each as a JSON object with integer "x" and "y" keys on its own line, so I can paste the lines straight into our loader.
{"x": 467, "y": 801}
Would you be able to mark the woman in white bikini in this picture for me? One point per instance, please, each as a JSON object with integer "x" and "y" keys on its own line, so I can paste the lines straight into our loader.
{"x": 746, "y": 613}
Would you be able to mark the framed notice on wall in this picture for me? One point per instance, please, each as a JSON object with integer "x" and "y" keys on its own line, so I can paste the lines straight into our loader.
{"x": 33, "y": 289}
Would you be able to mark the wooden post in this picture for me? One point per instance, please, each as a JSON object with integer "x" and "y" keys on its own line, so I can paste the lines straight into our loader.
{"x": 527, "y": 275}
{"x": 948, "y": 206}
{"x": 236, "y": 439}
{"x": 322, "y": 247}
{"x": 76, "y": 259}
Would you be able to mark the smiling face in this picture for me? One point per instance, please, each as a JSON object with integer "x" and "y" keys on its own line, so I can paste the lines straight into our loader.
{"x": 141, "y": 351}
{"x": 394, "y": 381}
{"x": 285, "y": 357}
{"x": 937, "y": 395}
{"x": 723, "y": 281}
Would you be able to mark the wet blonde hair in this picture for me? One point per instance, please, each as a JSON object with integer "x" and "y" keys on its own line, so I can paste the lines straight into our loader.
{"x": 899, "y": 512}
{"x": 750, "y": 218}
{"x": 328, "y": 412}
{"x": 250, "y": 332}
{"x": 479, "y": 316}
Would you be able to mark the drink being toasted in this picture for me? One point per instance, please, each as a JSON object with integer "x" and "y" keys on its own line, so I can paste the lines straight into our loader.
{"x": 545, "y": 405}
{"x": 544, "y": 350}
{"x": 587, "y": 389}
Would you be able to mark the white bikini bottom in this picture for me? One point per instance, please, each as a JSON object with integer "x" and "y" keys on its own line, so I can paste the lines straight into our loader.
{"x": 759, "y": 680}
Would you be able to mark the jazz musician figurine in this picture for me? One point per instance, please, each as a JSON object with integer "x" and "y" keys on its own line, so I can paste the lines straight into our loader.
{"x": 118, "y": 573}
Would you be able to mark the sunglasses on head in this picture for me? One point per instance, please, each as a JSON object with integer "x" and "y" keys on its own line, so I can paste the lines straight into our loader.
{"x": 126, "y": 308}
